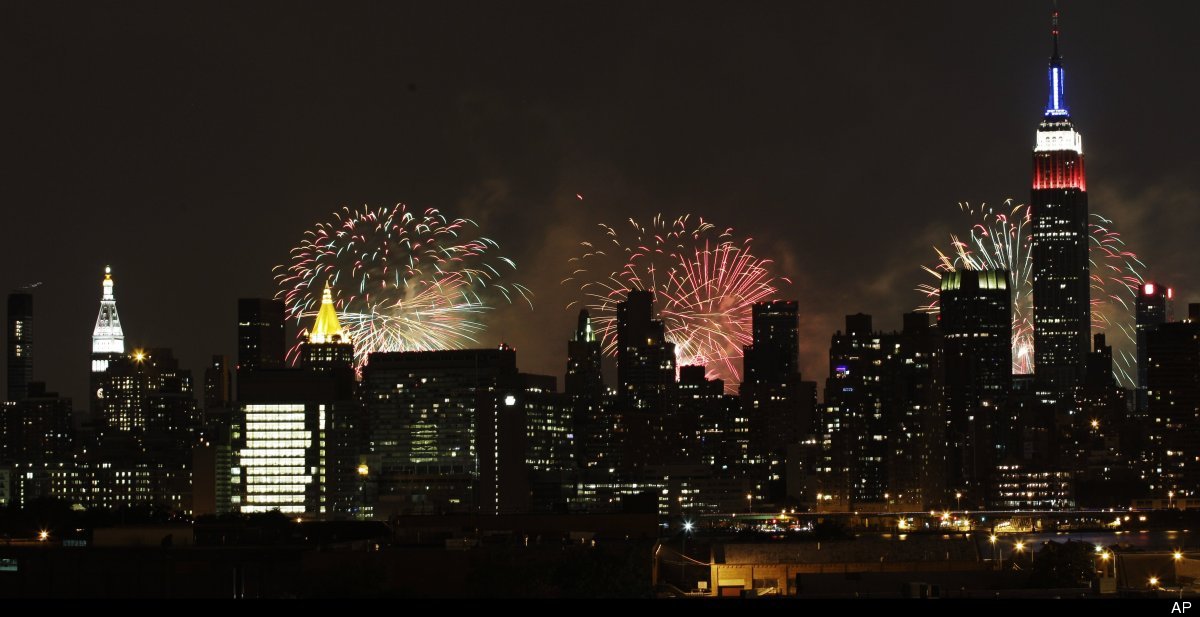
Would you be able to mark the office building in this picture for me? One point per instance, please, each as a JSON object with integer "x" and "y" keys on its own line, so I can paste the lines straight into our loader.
{"x": 976, "y": 324}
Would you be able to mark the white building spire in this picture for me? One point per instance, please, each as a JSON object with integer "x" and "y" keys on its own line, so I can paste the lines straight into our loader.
{"x": 108, "y": 336}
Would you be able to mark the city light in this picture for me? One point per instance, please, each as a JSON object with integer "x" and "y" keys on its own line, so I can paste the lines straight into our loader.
{"x": 278, "y": 459}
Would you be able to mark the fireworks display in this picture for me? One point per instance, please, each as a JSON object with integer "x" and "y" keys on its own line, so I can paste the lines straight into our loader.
{"x": 705, "y": 283}
{"x": 1001, "y": 239}
{"x": 401, "y": 281}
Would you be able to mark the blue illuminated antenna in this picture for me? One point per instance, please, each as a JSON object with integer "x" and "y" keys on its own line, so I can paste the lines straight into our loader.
{"x": 1057, "y": 105}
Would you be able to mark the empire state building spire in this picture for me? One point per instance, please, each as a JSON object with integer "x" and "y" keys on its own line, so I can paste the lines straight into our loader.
{"x": 1054, "y": 33}
{"x": 108, "y": 337}
{"x": 1057, "y": 103}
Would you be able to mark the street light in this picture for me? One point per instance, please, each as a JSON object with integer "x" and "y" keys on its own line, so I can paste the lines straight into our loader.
{"x": 687, "y": 529}
{"x": 1153, "y": 582}
{"x": 1103, "y": 555}
{"x": 750, "y": 501}
{"x": 43, "y": 535}
{"x": 992, "y": 538}
{"x": 958, "y": 498}
{"x": 363, "y": 472}
{"x": 1020, "y": 547}
{"x": 1178, "y": 556}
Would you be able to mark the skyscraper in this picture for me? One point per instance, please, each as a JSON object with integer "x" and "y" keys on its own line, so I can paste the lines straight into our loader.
{"x": 1173, "y": 392}
{"x": 212, "y": 458}
{"x": 858, "y": 394}
{"x": 779, "y": 405}
{"x": 702, "y": 422}
{"x": 218, "y": 389}
{"x": 584, "y": 374}
{"x": 1059, "y": 208}
{"x": 585, "y": 387}
{"x": 260, "y": 334}
{"x": 147, "y": 391}
{"x": 523, "y": 442}
{"x": 645, "y": 376}
{"x": 916, "y": 425}
{"x": 424, "y": 410}
{"x": 775, "y": 345}
{"x": 883, "y": 417}
{"x": 20, "y": 344}
{"x": 37, "y": 427}
{"x": 645, "y": 359}
{"x": 976, "y": 322}
{"x": 1105, "y": 449}
{"x": 108, "y": 341}
{"x": 146, "y": 426}
{"x": 298, "y": 434}
{"x": 1152, "y": 310}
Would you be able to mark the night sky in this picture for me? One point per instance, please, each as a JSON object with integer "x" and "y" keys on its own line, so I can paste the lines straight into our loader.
{"x": 190, "y": 145}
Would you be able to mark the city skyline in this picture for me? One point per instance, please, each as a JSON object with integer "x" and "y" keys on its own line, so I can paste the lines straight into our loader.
{"x": 346, "y": 254}
{"x": 199, "y": 286}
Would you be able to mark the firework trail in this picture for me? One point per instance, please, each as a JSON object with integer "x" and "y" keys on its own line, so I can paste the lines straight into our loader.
{"x": 402, "y": 281}
{"x": 705, "y": 283}
{"x": 1002, "y": 239}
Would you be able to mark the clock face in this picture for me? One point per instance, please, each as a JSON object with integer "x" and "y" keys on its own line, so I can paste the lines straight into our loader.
{"x": 99, "y": 392}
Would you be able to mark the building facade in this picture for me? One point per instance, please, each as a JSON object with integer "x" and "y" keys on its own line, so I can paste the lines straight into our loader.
{"x": 976, "y": 325}
{"x": 423, "y": 409}
{"x": 20, "y": 344}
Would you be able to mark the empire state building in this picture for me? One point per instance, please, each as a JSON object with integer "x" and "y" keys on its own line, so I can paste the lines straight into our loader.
{"x": 1059, "y": 209}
